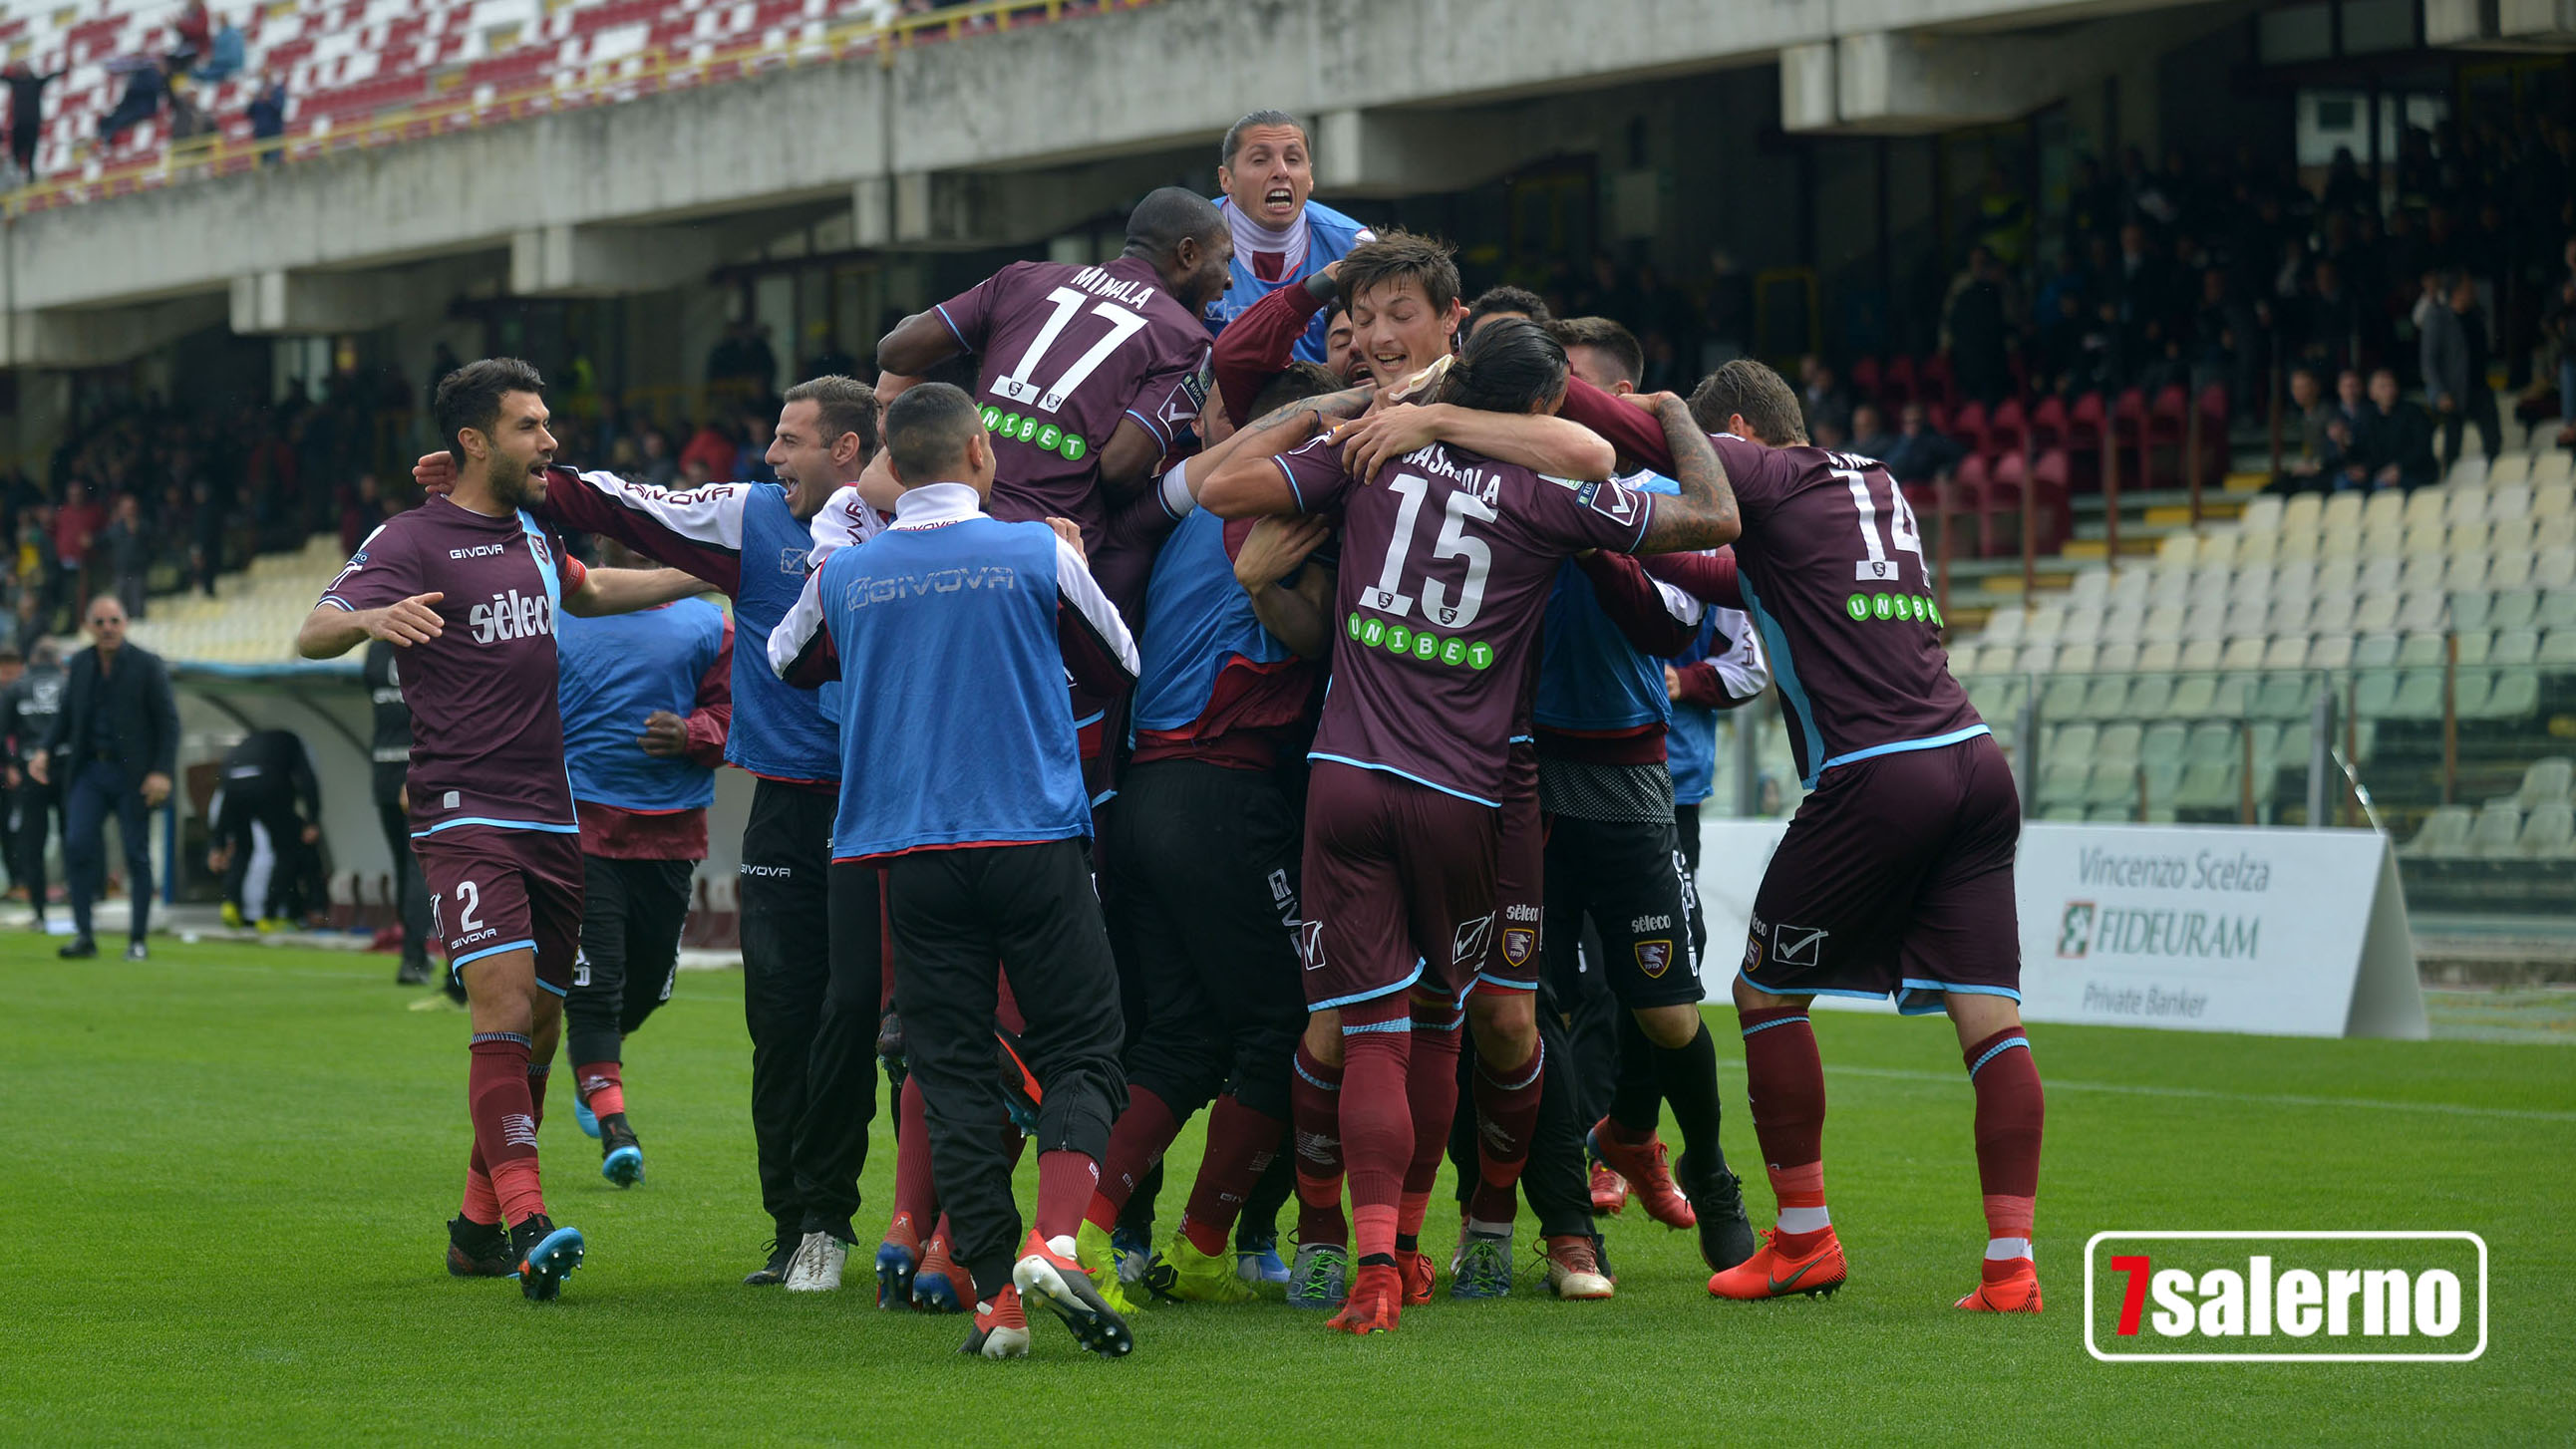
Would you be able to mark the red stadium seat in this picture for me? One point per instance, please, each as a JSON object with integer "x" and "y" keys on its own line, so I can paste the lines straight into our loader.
{"x": 2164, "y": 429}
{"x": 2048, "y": 425}
{"x": 2006, "y": 427}
{"x": 1968, "y": 425}
{"x": 1933, "y": 378}
{"x": 1864, "y": 378}
{"x": 1899, "y": 382}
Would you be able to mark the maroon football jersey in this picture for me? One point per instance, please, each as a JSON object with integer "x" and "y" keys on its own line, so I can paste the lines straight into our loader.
{"x": 1066, "y": 353}
{"x": 1831, "y": 565}
{"x": 1447, "y": 562}
{"x": 486, "y": 736}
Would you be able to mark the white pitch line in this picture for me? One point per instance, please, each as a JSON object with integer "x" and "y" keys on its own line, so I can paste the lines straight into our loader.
{"x": 2272, "y": 1099}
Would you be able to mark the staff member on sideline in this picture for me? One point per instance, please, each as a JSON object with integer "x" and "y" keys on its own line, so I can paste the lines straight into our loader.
{"x": 27, "y": 710}
{"x": 116, "y": 743}
{"x": 391, "y": 754}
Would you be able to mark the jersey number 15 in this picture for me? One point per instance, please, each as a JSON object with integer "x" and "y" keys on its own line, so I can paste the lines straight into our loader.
{"x": 1452, "y": 543}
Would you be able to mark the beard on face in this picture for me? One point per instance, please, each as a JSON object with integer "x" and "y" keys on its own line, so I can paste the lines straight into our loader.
{"x": 517, "y": 488}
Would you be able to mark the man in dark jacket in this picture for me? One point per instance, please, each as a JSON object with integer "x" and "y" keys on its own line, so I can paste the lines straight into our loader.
{"x": 114, "y": 748}
{"x": 27, "y": 711}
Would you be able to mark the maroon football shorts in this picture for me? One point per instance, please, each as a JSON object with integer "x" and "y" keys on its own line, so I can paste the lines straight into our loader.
{"x": 494, "y": 890}
{"x": 1520, "y": 879}
{"x": 1398, "y": 889}
{"x": 1896, "y": 878}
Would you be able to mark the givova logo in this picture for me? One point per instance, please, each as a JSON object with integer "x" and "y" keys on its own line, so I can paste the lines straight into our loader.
{"x": 2285, "y": 1297}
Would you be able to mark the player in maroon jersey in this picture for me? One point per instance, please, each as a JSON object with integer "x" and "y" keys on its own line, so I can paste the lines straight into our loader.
{"x": 469, "y": 585}
{"x": 1087, "y": 376}
{"x": 1896, "y": 875}
{"x": 1447, "y": 561}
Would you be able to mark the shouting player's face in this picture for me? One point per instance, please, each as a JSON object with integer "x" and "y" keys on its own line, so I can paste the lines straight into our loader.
{"x": 1271, "y": 176}
{"x": 810, "y": 467}
{"x": 1398, "y": 332}
{"x": 520, "y": 451}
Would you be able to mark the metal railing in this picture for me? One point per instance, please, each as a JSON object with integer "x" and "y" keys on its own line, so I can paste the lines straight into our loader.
{"x": 607, "y": 82}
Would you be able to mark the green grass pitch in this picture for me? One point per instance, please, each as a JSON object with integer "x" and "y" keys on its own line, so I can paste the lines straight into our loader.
{"x": 224, "y": 1175}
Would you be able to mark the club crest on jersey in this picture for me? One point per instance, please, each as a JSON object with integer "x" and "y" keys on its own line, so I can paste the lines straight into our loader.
{"x": 1517, "y": 942}
{"x": 1654, "y": 957}
{"x": 1469, "y": 943}
{"x": 1310, "y": 944}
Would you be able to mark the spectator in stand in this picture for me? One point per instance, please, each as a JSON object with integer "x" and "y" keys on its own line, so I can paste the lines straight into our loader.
{"x": 1870, "y": 437}
{"x": 365, "y": 510}
{"x": 660, "y": 469}
{"x": 2143, "y": 282}
{"x": 2304, "y": 470}
{"x": 751, "y": 461}
{"x": 192, "y": 34}
{"x": 125, "y": 547}
{"x": 146, "y": 86}
{"x": 267, "y": 113}
{"x": 2456, "y": 347}
{"x": 2223, "y": 340}
{"x": 2332, "y": 317}
{"x": 2397, "y": 442}
{"x": 1822, "y": 398}
{"x": 206, "y": 537}
{"x": 223, "y": 57}
{"x": 1920, "y": 454}
{"x": 1976, "y": 324}
{"x": 710, "y": 454}
{"x": 26, "y": 113}
{"x": 694, "y": 474}
{"x": 76, "y": 528}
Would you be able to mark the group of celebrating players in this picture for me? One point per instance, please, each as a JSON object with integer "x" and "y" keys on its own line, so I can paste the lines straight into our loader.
{"x": 1307, "y": 726}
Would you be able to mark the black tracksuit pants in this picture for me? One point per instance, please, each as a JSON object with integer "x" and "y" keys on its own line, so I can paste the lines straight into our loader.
{"x": 631, "y": 915}
{"x": 812, "y": 968}
{"x": 1031, "y": 911}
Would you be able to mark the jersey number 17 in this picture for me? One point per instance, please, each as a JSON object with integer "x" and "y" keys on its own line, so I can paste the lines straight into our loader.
{"x": 1017, "y": 384}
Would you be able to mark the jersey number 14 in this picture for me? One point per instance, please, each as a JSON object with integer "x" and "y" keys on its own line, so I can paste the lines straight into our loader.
{"x": 1901, "y": 531}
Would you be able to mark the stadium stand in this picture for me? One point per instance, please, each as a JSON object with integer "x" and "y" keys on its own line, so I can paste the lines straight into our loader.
{"x": 370, "y": 71}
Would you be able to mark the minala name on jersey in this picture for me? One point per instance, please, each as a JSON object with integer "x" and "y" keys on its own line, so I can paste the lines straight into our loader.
{"x": 1100, "y": 284}
{"x": 511, "y": 615}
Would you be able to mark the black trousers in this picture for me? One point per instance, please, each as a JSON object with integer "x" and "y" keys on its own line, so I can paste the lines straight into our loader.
{"x": 1031, "y": 910}
{"x": 2479, "y": 407}
{"x": 274, "y": 811}
{"x": 1202, "y": 897}
{"x": 411, "y": 893}
{"x": 1555, "y": 1181}
{"x": 96, "y": 791}
{"x": 631, "y": 914}
{"x": 30, "y": 830}
{"x": 812, "y": 970}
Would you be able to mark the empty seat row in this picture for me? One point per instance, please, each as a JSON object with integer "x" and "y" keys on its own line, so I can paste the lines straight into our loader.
{"x": 2501, "y": 831}
{"x": 2417, "y": 649}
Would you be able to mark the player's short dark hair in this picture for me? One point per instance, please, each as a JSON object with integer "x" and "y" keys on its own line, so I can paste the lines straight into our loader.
{"x": 1750, "y": 390}
{"x": 1397, "y": 256}
{"x": 841, "y": 405}
{"x": 1509, "y": 366}
{"x": 470, "y": 397}
{"x": 1605, "y": 336}
{"x": 1300, "y": 381}
{"x": 1520, "y": 301}
{"x": 1233, "y": 141}
{"x": 927, "y": 428}
{"x": 1170, "y": 215}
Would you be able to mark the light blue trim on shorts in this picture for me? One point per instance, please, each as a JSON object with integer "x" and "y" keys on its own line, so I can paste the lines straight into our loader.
{"x": 1898, "y": 747}
{"x": 470, "y": 957}
{"x": 1370, "y": 995}
{"x": 1401, "y": 775}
